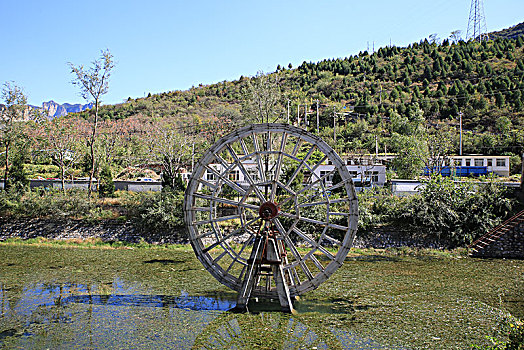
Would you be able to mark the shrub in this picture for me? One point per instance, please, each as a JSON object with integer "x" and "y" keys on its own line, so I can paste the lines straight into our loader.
{"x": 453, "y": 213}
{"x": 157, "y": 211}
{"x": 457, "y": 213}
{"x": 106, "y": 187}
{"x": 55, "y": 204}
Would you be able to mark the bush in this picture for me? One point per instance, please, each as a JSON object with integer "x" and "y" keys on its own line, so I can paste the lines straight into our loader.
{"x": 453, "y": 213}
{"x": 54, "y": 203}
{"x": 157, "y": 211}
{"x": 106, "y": 187}
{"x": 457, "y": 213}
{"x": 512, "y": 332}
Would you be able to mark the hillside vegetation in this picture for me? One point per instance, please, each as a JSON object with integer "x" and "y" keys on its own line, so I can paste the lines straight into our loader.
{"x": 379, "y": 97}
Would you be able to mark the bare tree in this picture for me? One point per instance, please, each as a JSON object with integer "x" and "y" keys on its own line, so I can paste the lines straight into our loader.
{"x": 62, "y": 143}
{"x": 262, "y": 99}
{"x": 434, "y": 39}
{"x": 13, "y": 113}
{"x": 93, "y": 84}
{"x": 456, "y": 36}
{"x": 171, "y": 147}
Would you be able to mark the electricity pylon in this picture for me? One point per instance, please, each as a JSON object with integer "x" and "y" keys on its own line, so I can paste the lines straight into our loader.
{"x": 477, "y": 29}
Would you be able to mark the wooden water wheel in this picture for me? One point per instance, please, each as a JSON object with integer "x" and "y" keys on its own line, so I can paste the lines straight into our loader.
{"x": 271, "y": 212}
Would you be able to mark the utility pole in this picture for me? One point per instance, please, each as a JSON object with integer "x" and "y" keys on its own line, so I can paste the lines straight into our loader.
{"x": 193, "y": 158}
{"x": 305, "y": 114}
{"x": 334, "y": 126}
{"x": 460, "y": 138}
{"x": 288, "y": 111}
{"x": 298, "y": 115}
{"x": 318, "y": 120}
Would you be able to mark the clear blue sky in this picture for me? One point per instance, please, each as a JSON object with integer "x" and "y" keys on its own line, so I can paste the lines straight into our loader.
{"x": 171, "y": 45}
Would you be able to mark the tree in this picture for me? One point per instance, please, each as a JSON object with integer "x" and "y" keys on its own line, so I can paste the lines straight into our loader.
{"x": 412, "y": 151}
{"x": 456, "y": 36}
{"x": 61, "y": 141}
{"x": 10, "y": 117}
{"x": 434, "y": 39}
{"x": 107, "y": 187}
{"x": 262, "y": 99}
{"x": 170, "y": 147}
{"x": 93, "y": 84}
{"x": 439, "y": 146}
{"x": 17, "y": 176}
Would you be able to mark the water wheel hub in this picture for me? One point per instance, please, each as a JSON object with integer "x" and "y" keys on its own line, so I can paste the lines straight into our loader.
{"x": 268, "y": 210}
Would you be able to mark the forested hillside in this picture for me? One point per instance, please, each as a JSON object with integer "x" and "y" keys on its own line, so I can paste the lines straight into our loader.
{"x": 379, "y": 99}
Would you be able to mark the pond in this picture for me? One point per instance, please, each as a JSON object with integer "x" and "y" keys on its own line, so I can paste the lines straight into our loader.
{"x": 161, "y": 298}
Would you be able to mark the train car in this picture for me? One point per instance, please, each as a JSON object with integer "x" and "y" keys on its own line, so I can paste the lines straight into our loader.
{"x": 462, "y": 171}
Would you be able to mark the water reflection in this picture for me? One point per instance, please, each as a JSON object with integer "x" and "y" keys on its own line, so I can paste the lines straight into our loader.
{"x": 128, "y": 315}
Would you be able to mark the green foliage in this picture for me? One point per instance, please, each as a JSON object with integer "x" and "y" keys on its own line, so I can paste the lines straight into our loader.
{"x": 453, "y": 214}
{"x": 411, "y": 153}
{"x": 510, "y": 336}
{"x": 457, "y": 213}
{"x": 157, "y": 211}
{"x": 106, "y": 187}
{"x": 173, "y": 183}
{"x": 51, "y": 203}
{"x": 34, "y": 171}
{"x": 18, "y": 180}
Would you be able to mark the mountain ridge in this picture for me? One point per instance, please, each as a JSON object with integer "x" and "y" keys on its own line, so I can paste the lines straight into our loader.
{"x": 55, "y": 110}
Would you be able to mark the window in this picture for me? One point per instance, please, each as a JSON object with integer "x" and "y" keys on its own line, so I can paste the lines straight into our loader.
{"x": 458, "y": 162}
{"x": 468, "y": 162}
{"x": 327, "y": 179}
{"x": 490, "y": 162}
{"x": 501, "y": 162}
{"x": 373, "y": 175}
{"x": 479, "y": 162}
{"x": 234, "y": 175}
{"x": 210, "y": 176}
{"x": 353, "y": 173}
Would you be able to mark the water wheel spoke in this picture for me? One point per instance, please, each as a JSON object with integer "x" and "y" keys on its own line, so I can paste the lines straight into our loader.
{"x": 313, "y": 221}
{"x": 258, "y": 159}
{"x": 247, "y": 176}
{"x": 226, "y": 180}
{"x": 287, "y": 240}
{"x": 228, "y": 236}
{"x": 278, "y": 167}
{"x": 301, "y": 165}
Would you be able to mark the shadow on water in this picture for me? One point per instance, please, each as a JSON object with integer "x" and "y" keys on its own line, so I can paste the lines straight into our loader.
{"x": 195, "y": 303}
{"x": 163, "y": 261}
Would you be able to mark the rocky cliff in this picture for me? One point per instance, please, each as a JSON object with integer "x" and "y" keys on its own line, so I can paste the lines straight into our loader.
{"x": 57, "y": 110}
